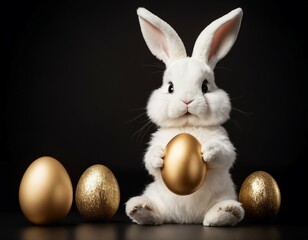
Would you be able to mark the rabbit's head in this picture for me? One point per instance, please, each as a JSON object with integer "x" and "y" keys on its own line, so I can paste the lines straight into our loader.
{"x": 188, "y": 95}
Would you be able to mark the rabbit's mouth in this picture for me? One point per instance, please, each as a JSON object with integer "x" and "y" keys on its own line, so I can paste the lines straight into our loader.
{"x": 187, "y": 114}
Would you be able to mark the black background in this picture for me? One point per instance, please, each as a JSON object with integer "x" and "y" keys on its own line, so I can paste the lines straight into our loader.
{"x": 76, "y": 77}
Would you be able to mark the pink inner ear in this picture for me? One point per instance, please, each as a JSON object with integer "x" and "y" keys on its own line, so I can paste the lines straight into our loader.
{"x": 158, "y": 39}
{"x": 220, "y": 36}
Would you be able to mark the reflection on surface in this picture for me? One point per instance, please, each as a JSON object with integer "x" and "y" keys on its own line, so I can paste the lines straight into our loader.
{"x": 257, "y": 232}
{"x": 196, "y": 232}
{"x": 44, "y": 233}
{"x": 79, "y": 232}
{"x": 96, "y": 232}
{"x": 130, "y": 231}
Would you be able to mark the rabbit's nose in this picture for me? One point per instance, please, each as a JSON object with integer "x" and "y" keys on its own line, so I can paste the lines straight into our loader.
{"x": 187, "y": 102}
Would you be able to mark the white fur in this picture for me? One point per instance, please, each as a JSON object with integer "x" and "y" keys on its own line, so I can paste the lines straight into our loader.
{"x": 189, "y": 110}
{"x": 161, "y": 38}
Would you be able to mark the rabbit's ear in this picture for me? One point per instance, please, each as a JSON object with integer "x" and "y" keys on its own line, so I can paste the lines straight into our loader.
{"x": 160, "y": 37}
{"x": 215, "y": 41}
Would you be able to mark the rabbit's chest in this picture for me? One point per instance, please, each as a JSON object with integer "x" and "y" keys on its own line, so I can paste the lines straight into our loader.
{"x": 164, "y": 135}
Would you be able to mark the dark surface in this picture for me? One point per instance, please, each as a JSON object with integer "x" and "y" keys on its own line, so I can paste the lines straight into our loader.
{"x": 119, "y": 227}
{"x": 76, "y": 76}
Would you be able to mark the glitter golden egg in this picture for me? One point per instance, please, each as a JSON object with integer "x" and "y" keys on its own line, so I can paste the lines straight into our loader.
{"x": 260, "y": 195}
{"x": 97, "y": 193}
{"x": 45, "y": 191}
{"x": 184, "y": 169}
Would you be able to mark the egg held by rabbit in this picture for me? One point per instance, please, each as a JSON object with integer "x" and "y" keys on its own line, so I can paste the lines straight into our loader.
{"x": 184, "y": 169}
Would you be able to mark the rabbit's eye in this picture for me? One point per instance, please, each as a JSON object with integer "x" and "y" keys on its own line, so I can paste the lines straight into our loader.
{"x": 170, "y": 88}
{"x": 204, "y": 87}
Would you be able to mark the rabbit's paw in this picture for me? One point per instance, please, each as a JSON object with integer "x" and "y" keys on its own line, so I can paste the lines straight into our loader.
{"x": 155, "y": 157}
{"x": 140, "y": 211}
{"x": 224, "y": 213}
{"x": 210, "y": 151}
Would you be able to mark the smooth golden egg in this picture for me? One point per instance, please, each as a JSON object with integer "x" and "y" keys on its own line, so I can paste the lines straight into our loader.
{"x": 45, "y": 191}
{"x": 97, "y": 193}
{"x": 260, "y": 195}
{"x": 184, "y": 169}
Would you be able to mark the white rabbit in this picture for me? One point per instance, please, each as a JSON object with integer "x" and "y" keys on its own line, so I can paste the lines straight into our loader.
{"x": 189, "y": 101}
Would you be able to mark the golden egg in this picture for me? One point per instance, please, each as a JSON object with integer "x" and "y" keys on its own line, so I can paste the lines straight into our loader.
{"x": 97, "y": 193}
{"x": 260, "y": 195}
{"x": 45, "y": 191}
{"x": 184, "y": 169}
